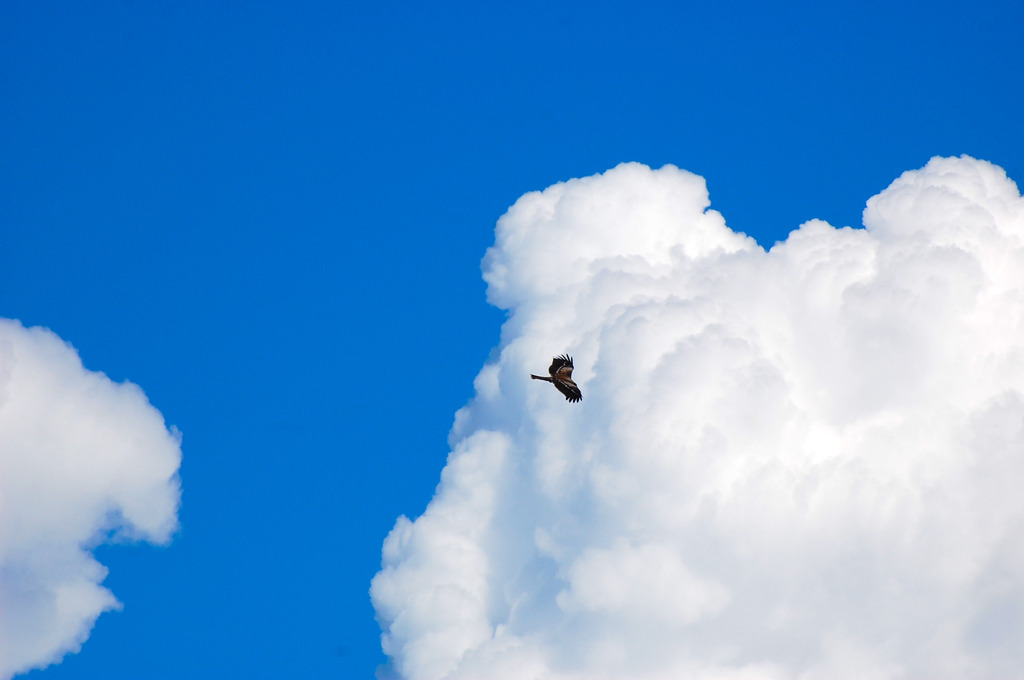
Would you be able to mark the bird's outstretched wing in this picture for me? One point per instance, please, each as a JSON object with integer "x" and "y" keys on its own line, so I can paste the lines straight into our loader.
{"x": 561, "y": 374}
{"x": 562, "y": 364}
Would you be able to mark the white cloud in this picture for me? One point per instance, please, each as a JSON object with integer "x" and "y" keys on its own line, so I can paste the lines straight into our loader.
{"x": 81, "y": 458}
{"x": 793, "y": 464}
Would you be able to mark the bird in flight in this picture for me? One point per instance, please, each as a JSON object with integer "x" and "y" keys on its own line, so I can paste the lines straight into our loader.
{"x": 561, "y": 377}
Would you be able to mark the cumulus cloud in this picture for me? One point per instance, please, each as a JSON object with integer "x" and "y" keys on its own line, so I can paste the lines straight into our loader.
{"x": 82, "y": 460}
{"x": 796, "y": 463}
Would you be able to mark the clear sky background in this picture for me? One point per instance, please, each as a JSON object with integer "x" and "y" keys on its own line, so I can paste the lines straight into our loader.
{"x": 271, "y": 216}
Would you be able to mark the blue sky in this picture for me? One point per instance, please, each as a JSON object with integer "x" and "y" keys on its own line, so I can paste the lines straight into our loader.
{"x": 271, "y": 217}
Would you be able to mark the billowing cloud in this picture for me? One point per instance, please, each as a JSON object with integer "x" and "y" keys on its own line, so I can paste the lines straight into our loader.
{"x": 797, "y": 463}
{"x": 82, "y": 460}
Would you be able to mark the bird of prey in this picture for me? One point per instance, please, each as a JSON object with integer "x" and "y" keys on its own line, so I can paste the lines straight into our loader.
{"x": 561, "y": 377}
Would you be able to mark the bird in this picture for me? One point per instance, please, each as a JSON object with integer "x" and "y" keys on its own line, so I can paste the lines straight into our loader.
{"x": 561, "y": 377}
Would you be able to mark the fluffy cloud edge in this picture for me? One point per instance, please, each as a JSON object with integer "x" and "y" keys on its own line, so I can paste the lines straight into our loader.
{"x": 84, "y": 460}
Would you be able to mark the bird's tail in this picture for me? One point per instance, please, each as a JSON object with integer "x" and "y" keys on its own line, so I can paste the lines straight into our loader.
{"x": 541, "y": 377}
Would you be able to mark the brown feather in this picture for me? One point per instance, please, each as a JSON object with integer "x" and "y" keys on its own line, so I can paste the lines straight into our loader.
{"x": 561, "y": 378}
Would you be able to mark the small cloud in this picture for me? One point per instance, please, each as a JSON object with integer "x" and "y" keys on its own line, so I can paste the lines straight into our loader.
{"x": 82, "y": 459}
